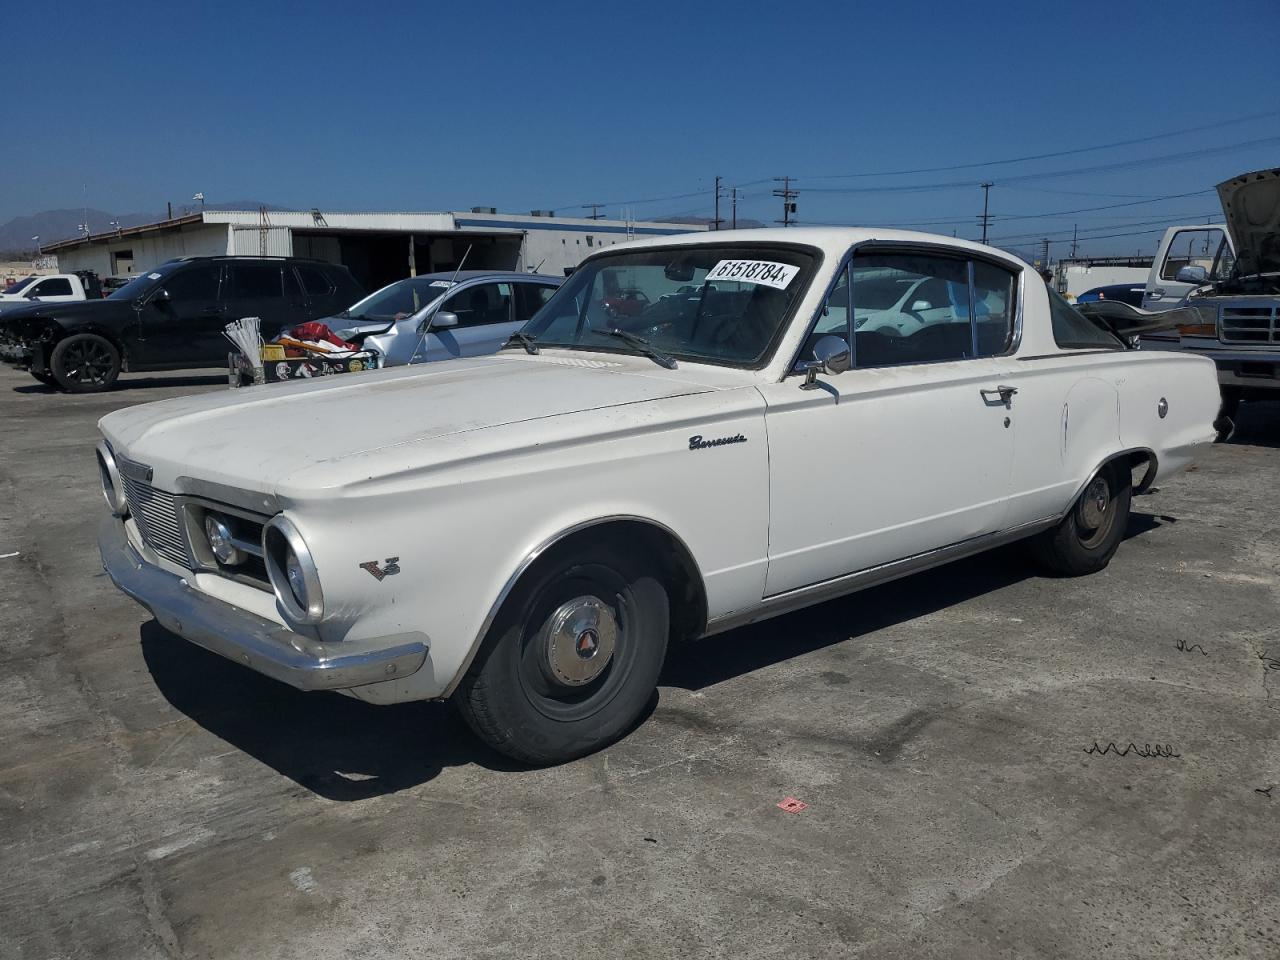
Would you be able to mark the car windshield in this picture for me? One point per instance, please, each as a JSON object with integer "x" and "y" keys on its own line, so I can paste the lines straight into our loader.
{"x": 139, "y": 284}
{"x": 17, "y": 285}
{"x": 404, "y": 297}
{"x": 713, "y": 303}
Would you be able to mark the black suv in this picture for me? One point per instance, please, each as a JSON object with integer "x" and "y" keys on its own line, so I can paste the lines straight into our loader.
{"x": 169, "y": 318}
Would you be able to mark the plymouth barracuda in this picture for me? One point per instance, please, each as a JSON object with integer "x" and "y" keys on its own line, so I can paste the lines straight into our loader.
{"x": 791, "y": 416}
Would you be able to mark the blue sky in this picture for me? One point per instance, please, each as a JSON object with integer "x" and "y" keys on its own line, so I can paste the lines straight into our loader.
{"x": 557, "y": 104}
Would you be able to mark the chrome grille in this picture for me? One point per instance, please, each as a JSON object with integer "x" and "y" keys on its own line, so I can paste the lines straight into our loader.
{"x": 1241, "y": 324}
{"x": 157, "y": 517}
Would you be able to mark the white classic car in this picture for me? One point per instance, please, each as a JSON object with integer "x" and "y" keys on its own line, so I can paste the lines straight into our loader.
{"x": 785, "y": 417}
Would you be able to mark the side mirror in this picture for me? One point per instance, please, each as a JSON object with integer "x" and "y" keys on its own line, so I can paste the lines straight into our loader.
{"x": 160, "y": 296}
{"x": 921, "y": 305}
{"x": 1193, "y": 274}
{"x": 830, "y": 356}
{"x": 443, "y": 320}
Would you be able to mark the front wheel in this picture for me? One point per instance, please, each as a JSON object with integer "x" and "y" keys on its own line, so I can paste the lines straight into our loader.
{"x": 573, "y": 658}
{"x": 85, "y": 363}
{"x": 1087, "y": 537}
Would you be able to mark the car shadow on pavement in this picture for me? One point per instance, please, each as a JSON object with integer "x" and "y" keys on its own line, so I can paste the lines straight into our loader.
{"x": 1257, "y": 424}
{"x": 337, "y": 747}
{"x": 703, "y": 663}
{"x": 138, "y": 383}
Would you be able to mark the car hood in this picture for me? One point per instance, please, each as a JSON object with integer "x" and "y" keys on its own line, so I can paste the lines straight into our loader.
{"x": 66, "y": 309}
{"x": 1251, "y": 203}
{"x": 254, "y": 438}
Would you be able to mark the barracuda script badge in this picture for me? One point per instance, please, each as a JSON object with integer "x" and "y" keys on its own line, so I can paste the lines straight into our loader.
{"x": 380, "y": 573}
{"x": 697, "y": 443}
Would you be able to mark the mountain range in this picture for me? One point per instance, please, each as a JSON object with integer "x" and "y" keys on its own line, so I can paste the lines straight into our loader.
{"x": 54, "y": 225}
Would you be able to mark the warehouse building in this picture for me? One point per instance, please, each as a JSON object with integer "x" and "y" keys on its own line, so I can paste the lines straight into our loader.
{"x": 379, "y": 248}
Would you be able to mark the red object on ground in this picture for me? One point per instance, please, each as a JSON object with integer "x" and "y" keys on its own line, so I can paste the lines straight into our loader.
{"x": 792, "y": 805}
{"x": 317, "y": 332}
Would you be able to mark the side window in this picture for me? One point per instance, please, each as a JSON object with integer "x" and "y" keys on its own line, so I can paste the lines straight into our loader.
{"x": 1191, "y": 248}
{"x": 481, "y": 304}
{"x": 1073, "y": 329}
{"x": 53, "y": 287}
{"x": 915, "y": 308}
{"x": 315, "y": 282}
{"x": 530, "y": 298}
{"x": 256, "y": 281}
{"x": 194, "y": 283}
{"x": 292, "y": 289}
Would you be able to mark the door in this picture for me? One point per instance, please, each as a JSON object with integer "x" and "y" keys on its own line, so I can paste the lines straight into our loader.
{"x": 911, "y": 449}
{"x": 181, "y": 323}
{"x": 486, "y": 318}
{"x": 257, "y": 290}
{"x": 52, "y": 289}
{"x": 319, "y": 290}
{"x": 1207, "y": 247}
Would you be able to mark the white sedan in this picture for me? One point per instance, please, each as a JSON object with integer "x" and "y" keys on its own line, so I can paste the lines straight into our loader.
{"x": 530, "y": 530}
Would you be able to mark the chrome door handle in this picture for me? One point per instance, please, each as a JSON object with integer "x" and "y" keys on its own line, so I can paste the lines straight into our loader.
{"x": 1000, "y": 394}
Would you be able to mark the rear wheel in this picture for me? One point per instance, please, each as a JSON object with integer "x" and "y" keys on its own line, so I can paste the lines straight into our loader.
{"x": 1087, "y": 537}
{"x": 85, "y": 363}
{"x": 573, "y": 658}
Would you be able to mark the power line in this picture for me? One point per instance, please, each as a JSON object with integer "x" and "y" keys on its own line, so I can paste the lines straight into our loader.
{"x": 1022, "y": 178}
{"x": 1047, "y": 156}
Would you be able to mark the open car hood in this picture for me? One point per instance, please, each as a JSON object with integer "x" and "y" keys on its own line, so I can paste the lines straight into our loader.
{"x": 1251, "y": 203}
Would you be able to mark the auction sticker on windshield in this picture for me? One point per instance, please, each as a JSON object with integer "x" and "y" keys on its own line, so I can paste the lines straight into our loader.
{"x": 766, "y": 272}
{"x": 440, "y": 283}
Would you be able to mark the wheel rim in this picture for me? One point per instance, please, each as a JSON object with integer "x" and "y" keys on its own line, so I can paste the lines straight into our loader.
{"x": 1095, "y": 512}
{"x": 87, "y": 362}
{"x": 577, "y": 649}
{"x": 580, "y": 639}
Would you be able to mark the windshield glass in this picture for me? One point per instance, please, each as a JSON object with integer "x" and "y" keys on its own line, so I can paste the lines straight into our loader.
{"x": 716, "y": 304}
{"x": 17, "y": 285}
{"x": 139, "y": 284}
{"x": 402, "y": 298}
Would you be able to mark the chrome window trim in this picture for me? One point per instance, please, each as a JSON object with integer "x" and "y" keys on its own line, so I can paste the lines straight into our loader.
{"x": 908, "y": 246}
{"x": 314, "y": 611}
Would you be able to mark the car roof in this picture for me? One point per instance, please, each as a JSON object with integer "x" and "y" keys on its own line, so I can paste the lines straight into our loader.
{"x": 462, "y": 275}
{"x": 833, "y": 241}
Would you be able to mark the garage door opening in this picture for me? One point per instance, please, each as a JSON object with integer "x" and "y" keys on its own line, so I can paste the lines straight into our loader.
{"x": 377, "y": 259}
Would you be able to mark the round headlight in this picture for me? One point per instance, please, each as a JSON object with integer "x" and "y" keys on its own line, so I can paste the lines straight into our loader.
{"x": 292, "y": 570}
{"x": 221, "y": 541}
{"x": 112, "y": 487}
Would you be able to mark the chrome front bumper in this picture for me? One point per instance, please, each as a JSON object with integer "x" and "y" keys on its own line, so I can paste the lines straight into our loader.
{"x": 246, "y": 638}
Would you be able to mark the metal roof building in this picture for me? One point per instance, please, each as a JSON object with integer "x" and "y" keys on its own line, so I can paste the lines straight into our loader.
{"x": 379, "y": 248}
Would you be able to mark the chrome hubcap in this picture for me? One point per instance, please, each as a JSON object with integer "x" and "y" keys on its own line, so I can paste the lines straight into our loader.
{"x": 1094, "y": 504}
{"x": 581, "y": 636}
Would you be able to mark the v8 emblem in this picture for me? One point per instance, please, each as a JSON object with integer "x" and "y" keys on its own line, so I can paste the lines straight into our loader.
{"x": 381, "y": 573}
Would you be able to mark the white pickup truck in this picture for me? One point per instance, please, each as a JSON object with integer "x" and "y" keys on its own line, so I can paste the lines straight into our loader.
{"x": 791, "y": 415}
{"x": 52, "y": 288}
{"x": 1229, "y": 277}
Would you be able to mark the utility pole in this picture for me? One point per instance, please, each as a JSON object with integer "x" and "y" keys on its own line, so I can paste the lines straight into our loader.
{"x": 1074, "y": 231}
{"x": 788, "y": 199}
{"x": 986, "y": 218}
{"x": 595, "y": 210}
{"x": 734, "y": 221}
{"x": 715, "y": 224}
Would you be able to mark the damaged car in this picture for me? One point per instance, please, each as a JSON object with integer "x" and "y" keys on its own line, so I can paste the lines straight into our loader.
{"x": 789, "y": 416}
{"x": 1234, "y": 302}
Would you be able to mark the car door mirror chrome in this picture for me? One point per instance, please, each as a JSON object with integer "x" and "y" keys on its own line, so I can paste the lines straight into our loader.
{"x": 830, "y": 356}
{"x": 1193, "y": 273}
{"x": 443, "y": 320}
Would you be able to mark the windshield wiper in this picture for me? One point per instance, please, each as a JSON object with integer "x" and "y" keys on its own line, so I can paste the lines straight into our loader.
{"x": 525, "y": 340}
{"x": 657, "y": 356}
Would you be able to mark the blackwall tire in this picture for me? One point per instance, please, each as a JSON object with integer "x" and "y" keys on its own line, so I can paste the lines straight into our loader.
{"x": 573, "y": 658}
{"x": 46, "y": 378}
{"x": 85, "y": 363}
{"x": 1085, "y": 540}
